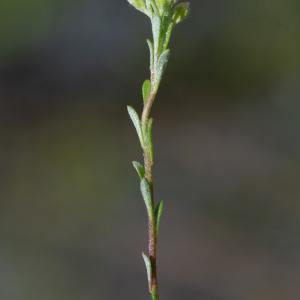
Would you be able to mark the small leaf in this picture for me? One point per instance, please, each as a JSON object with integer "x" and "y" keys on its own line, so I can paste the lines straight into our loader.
{"x": 146, "y": 90}
{"x": 156, "y": 28}
{"x": 158, "y": 212}
{"x": 150, "y": 45}
{"x": 162, "y": 63}
{"x": 181, "y": 11}
{"x": 139, "y": 168}
{"x": 162, "y": 5}
{"x": 149, "y": 137}
{"x": 154, "y": 7}
{"x": 165, "y": 5}
{"x": 146, "y": 193}
{"x": 148, "y": 268}
{"x": 136, "y": 122}
{"x": 168, "y": 31}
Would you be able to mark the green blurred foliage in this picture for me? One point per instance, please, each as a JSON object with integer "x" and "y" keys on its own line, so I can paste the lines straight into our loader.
{"x": 24, "y": 23}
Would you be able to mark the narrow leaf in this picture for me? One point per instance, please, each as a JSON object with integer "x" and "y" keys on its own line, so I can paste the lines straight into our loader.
{"x": 168, "y": 35}
{"x": 161, "y": 3}
{"x": 146, "y": 90}
{"x": 148, "y": 268}
{"x": 158, "y": 212}
{"x": 162, "y": 63}
{"x": 136, "y": 122}
{"x": 139, "y": 168}
{"x": 149, "y": 137}
{"x": 146, "y": 193}
{"x": 155, "y": 7}
{"x": 181, "y": 11}
{"x": 156, "y": 28}
{"x": 151, "y": 50}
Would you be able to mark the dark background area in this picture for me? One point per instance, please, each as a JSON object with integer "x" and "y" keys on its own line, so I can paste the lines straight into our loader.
{"x": 72, "y": 221}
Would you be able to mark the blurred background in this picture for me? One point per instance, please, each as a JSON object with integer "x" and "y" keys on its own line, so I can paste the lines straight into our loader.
{"x": 72, "y": 221}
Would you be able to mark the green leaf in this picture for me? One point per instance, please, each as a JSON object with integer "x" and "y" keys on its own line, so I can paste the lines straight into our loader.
{"x": 165, "y": 6}
{"x": 161, "y": 65}
{"x": 146, "y": 90}
{"x": 149, "y": 137}
{"x": 158, "y": 212}
{"x": 139, "y": 168}
{"x": 161, "y": 4}
{"x": 136, "y": 122}
{"x": 146, "y": 193}
{"x": 155, "y": 7}
{"x": 151, "y": 50}
{"x": 148, "y": 268}
{"x": 156, "y": 29}
{"x": 180, "y": 12}
{"x": 168, "y": 31}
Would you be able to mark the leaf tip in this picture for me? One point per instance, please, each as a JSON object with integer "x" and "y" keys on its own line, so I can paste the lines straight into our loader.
{"x": 158, "y": 212}
{"x": 181, "y": 11}
{"x": 148, "y": 268}
{"x": 139, "y": 169}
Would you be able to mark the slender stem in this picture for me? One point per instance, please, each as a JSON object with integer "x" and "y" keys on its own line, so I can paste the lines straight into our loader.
{"x": 152, "y": 234}
{"x": 148, "y": 106}
{"x": 164, "y": 15}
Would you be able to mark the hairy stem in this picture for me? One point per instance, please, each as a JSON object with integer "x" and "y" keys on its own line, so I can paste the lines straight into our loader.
{"x": 164, "y": 15}
{"x": 152, "y": 230}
